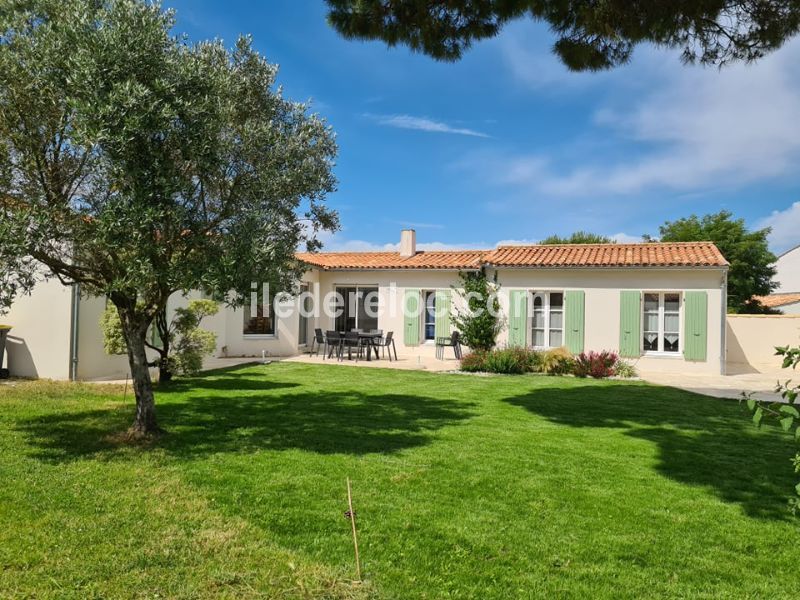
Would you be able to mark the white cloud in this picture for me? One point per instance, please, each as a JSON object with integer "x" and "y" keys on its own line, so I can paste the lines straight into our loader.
{"x": 785, "y": 226}
{"x": 513, "y": 242}
{"x": 624, "y": 238}
{"x": 423, "y": 124}
{"x": 683, "y": 129}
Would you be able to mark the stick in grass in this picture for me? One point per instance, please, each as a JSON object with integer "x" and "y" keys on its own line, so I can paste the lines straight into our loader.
{"x": 352, "y": 515}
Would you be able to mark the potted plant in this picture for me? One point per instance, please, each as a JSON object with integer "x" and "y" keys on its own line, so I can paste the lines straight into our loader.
{"x": 4, "y": 329}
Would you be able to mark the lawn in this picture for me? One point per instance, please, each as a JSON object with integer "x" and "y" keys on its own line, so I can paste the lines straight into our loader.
{"x": 464, "y": 487}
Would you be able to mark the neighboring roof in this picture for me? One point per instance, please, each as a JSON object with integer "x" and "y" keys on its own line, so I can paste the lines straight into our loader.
{"x": 669, "y": 254}
{"x": 666, "y": 254}
{"x": 443, "y": 259}
{"x": 778, "y": 300}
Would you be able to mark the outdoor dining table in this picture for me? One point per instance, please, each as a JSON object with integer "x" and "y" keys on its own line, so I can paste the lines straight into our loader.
{"x": 369, "y": 338}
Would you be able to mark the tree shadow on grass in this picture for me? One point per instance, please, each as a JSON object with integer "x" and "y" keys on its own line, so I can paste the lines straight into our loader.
{"x": 702, "y": 441}
{"x": 268, "y": 416}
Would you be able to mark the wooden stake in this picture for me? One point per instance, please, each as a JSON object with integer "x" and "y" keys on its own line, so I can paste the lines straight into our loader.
{"x": 125, "y": 393}
{"x": 353, "y": 523}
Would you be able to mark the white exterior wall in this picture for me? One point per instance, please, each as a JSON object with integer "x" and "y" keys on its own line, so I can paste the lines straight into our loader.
{"x": 788, "y": 275}
{"x": 752, "y": 340}
{"x": 602, "y": 304}
{"x": 39, "y": 343}
{"x": 93, "y": 362}
{"x": 232, "y": 341}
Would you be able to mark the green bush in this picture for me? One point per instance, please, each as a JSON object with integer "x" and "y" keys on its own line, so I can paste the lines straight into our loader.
{"x": 474, "y": 362}
{"x": 625, "y": 369}
{"x": 480, "y": 322}
{"x": 508, "y": 361}
{"x": 557, "y": 361}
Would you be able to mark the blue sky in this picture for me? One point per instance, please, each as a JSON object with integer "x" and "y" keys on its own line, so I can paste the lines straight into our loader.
{"x": 507, "y": 145}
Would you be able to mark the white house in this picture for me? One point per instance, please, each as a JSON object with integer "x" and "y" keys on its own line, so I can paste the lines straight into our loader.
{"x": 662, "y": 305}
{"x": 786, "y": 298}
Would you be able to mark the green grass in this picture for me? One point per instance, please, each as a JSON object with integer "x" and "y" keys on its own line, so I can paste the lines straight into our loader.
{"x": 464, "y": 487}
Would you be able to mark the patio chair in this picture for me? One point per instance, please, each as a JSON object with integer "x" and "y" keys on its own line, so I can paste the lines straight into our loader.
{"x": 387, "y": 342}
{"x": 319, "y": 340}
{"x": 454, "y": 342}
{"x": 350, "y": 340}
{"x": 333, "y": 342}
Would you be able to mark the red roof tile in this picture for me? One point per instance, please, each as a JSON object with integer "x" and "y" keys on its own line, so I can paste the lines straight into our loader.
{"x": 778, "y": 300}
{"x": 670, "y": 254}
{"x": 667, "y": 254}
{"x": 452, "y": 259}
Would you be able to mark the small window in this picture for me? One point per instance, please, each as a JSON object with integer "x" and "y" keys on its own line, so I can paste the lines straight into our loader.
{"x": 430, "y": 315}
{"x": 661, "y": 322}
{"x": 259, "y": 319}
{"x": 547, "y": 319}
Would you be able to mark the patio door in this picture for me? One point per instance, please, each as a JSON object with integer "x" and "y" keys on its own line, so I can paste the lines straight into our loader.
{"x": 357, "y": 308}
{"x": 305, "y": 311}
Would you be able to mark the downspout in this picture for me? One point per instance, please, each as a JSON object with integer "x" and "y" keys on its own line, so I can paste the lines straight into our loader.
{"x": 73, "y": 341}
{"x": 723, "y": 358}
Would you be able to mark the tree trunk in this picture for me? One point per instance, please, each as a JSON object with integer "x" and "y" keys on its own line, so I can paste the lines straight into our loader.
{"x": 135, "y": 329}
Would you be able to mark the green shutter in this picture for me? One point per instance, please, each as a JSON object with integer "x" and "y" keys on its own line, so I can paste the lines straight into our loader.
{"x": 630, "y": 323}
{"x": 442, "y": 314}
{"x": 574, "y": 320}
{"x": 517, "y": 318}
{"x": 695, "y": 346}
{"x": 411, "y": 307}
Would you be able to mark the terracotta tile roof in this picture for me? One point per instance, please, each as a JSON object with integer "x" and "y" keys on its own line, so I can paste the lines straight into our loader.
{"x": 677, "y": 254}
{"x": 450, "y": 259}
{"x": 778, "y": 300}
{"x": 666, "y": 254}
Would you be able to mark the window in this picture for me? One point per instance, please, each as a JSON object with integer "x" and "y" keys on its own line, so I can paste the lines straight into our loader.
{"x": 259, "y": 319}
{"x": 548, "y": 319}
{"x": 357, "y": 308}
{"x": 430, "y": 315}
{"x": 661, "y": 322}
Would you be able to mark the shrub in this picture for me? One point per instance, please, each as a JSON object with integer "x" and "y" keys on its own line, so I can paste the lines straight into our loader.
{"x": 625, "y": 369}
{"x": 596, "y": 364}
{"x": 508, "y": 361}
{"x": 480, "y": 322}
{"x": 558, "y": 361}
{"x": 474, "y": 362}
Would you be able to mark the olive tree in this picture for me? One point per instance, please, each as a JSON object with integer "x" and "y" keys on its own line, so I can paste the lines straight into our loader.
{"x": 138, "y": 164}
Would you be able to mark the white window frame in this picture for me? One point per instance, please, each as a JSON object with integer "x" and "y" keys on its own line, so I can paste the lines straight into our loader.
{"x": 423, "y": 296}
{"x": 545, "y": 294}
{"x": 661, "y": 324}
{"x": 263, "y": 336}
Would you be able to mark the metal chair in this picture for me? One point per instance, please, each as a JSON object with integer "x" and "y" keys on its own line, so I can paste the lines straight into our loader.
{"x": 333, "y": 342}
{"x": 319, "y": 339}
{"x": 387, "y": 342}
{"x": 350, "y": 340}
{"x": 454, "y": 342}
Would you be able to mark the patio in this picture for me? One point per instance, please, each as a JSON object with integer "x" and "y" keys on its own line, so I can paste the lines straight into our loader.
{"x": 417, "y": 362}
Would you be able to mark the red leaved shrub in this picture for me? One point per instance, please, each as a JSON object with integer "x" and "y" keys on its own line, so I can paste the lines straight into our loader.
{"x": 596, "y": 364}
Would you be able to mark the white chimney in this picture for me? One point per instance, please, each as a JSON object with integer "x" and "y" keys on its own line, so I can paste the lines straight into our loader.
{"x": 408, "y": 243}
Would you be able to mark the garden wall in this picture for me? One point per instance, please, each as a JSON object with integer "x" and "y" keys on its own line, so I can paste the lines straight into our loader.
{"x": 751, "y": 341}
